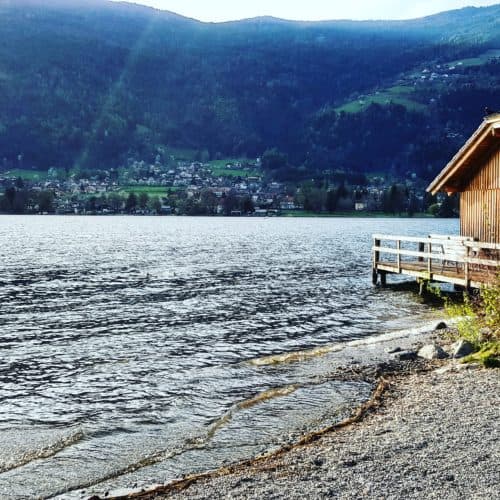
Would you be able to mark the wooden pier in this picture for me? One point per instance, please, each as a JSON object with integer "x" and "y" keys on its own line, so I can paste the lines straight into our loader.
{"x": 441, "y": 258}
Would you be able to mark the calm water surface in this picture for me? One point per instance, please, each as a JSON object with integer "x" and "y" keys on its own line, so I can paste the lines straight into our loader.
{"x": 130, "y": 347}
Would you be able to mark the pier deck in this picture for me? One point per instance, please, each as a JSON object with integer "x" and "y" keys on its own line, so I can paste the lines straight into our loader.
{"x": 441, "y": 258}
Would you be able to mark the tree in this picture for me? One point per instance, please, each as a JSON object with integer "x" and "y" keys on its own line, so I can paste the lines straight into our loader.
{"x": 449, "y": 207}
{"x": 155, "y": 204}
{"x": 115, "y": 201}
{"x": 332, "y": 198}
{"x": 273, "y": 159}
{"x": 46, "y": 201}
{"x": 143, "y": 200}
{"x": 10, "y": 196}
{"x": 131, "y": 203}
{"x": 246, "y": 205}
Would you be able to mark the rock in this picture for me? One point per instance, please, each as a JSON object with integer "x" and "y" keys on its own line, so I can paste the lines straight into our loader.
{"x": 393, "y": 350}
{"x": 432, "y": 351}
{"x": 405, "y": 355}
{"x": 468, "y": 366}
{"x": 461, "y": 348}
{"x": 445, "y": 369}
{"x": 485, "y": 333}
{"x": 441, "y": 326}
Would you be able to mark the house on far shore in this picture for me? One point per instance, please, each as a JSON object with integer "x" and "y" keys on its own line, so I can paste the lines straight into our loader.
{"x": 474, "y": 172}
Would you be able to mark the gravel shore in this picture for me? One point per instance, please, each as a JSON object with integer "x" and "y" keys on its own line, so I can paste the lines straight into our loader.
{"x": 433, "y": 434}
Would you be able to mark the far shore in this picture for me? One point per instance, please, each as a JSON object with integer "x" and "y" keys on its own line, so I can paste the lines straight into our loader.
{"x": 289, "y": 214}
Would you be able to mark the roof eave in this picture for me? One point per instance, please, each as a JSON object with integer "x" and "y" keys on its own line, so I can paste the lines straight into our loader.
{"x": 486, "y": 128}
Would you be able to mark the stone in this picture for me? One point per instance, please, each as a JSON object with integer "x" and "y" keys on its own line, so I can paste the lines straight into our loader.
{"x": 393, "y": 350}
{"x": 485, "y": 333}
{"x": 461, "y": 348}
{"x": 445, "y": 369}
{"x": 468, "y": 366}
{"x": 405, "y": 355}
{"x": 441, "y": 326}
{"x": 432, "y": 351}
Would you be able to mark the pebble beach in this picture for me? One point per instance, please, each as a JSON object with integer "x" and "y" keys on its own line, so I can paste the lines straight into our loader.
{"x": 434, "y": 435}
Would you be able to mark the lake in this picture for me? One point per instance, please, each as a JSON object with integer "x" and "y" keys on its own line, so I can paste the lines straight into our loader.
{"x": 134, "y": 350}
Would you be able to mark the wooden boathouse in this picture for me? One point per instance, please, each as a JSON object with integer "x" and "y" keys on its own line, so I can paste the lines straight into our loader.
{"x": 471, "y": 259}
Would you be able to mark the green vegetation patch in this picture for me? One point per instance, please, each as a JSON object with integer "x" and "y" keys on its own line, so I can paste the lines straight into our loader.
{"x": 400, "y": 94}
{"x": 219, "y": 168}
{"x": 479, "y": 323}
{"x": 31, "y": 175}
{"x": 476, "y": 61}
{"x": 150, "y": 190}
{"x": 488, "y": 355}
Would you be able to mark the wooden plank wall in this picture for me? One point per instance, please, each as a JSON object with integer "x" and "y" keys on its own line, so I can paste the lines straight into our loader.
{"x": 480, "y": 203}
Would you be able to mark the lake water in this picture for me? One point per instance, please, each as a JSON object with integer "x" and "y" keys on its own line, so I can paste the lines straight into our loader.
{"x": 134, "y": 350}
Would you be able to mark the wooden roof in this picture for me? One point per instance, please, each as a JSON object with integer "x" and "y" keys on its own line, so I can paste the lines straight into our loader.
{"x": 469, "y": 158}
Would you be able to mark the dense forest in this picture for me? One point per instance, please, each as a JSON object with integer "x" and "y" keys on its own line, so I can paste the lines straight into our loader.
{"x": 90, "y": 84}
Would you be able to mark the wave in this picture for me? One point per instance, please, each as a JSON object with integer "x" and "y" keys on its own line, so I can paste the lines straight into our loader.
{"x": 46, "y": 452}
{"x": 303, "y": 355}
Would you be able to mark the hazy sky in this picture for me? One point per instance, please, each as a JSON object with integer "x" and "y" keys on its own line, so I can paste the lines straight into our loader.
{"x": 309, "y": 10}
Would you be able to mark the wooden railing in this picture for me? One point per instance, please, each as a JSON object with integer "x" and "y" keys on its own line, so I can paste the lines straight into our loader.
{"x": 434, "y": 253}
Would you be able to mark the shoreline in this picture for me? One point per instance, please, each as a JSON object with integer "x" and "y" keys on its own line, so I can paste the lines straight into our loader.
{"x": 386, "y": 372}
{"x": 297, "y": 215}
{"x": 428, "y": 432}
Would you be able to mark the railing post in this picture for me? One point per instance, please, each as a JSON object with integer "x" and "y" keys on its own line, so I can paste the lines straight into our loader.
{"x": 421, "y": 248}
{"x": 429, "y": 260}
{"x": 398, "y": 246}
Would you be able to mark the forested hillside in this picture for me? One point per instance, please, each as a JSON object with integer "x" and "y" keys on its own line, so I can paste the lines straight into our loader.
{"x": 91, "y": 84}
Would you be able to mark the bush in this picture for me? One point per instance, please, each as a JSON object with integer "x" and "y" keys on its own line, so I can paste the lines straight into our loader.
{"x": 479, "y": 323}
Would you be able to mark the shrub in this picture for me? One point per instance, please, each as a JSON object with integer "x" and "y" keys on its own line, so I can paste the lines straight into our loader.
{"x": 479, "y": 323}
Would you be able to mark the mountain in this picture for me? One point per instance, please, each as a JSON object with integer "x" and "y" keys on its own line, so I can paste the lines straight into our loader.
{"x": 92, "y": 83}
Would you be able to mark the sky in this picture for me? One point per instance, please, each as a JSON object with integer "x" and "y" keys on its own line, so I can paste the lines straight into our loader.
{"x": 308, "y": 10}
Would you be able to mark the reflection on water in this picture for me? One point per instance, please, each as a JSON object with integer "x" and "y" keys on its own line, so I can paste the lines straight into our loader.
{"x": 134, "y": 350}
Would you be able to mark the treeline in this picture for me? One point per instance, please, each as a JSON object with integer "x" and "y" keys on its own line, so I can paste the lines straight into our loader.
{"x": 18, "y": 200}
{"x": 395, "y": 200}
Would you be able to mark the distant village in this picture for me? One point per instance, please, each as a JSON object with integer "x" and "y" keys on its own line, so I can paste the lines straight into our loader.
{"x": 231, "y": 188}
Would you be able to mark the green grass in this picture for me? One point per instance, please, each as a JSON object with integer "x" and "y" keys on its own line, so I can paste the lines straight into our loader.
{"x": 476, "y": 61}
{"x": 225, "y": 172}
{"x": 150, "y": 190}
{"x": 219, "y": 169}
{"x": 399, "y": 94}
{"x": 30, "y": 175}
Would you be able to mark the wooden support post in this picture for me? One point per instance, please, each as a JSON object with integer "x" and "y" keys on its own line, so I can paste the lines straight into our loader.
{"x": 383, "y": 279}
{"x": 376, "y": 252}
{"x": 376, "y": 257}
